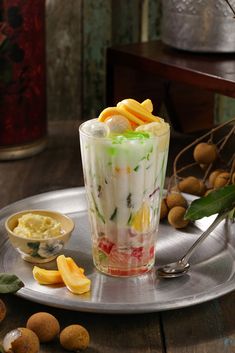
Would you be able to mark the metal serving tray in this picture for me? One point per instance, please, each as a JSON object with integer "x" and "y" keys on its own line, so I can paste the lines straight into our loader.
{"x": 212, "y": 273}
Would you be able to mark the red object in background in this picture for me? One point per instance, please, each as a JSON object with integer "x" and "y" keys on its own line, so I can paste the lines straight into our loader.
{"x": 22, "y": 72}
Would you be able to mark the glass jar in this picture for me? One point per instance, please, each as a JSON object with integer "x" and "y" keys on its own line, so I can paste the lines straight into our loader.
{"x": 23, "y": 122}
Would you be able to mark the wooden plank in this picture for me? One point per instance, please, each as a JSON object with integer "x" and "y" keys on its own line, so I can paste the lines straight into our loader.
{"x": 96, "y": 37}
{"x": 120, "y": 33}
{"x": 120, "y": 24}
{"x": 224, "y": 108}
{"x": 204, "y": 328}
{"x": 154, "y": 23}
{"x": 144, "y": 30}
{"x": 205, "y": 72}
{"x": 64, "y": 59}
{"x": 190, "y": 108}
{"x": 126, "y": 19}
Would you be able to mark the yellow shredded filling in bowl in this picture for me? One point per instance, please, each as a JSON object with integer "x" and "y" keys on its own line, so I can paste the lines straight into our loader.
{"x": 35, "y": 226}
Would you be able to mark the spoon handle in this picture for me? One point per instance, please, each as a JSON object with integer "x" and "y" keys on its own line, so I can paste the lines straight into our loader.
{"x": 213, "y": 225}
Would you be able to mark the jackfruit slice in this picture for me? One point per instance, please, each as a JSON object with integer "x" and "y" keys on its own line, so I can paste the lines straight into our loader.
{"x": 72, "y": 275}
{"x": 147, "y": 103}
{"x": 141, "y": 219}
{"x": 43, "y": 276}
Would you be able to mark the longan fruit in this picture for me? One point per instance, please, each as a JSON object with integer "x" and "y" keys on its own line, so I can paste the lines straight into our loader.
{"x": 74, "y": 337}
{"x": 192, "y": 185}
{"x": 213, "y": 175}
{"x": 221, "y": 180}
{"x": 205, "y": 153}
{"x": 208, "y": 192}
{"x": 189, "y": 185}
{"x": 45, "y": 325}
{"x": 164, "y": 209}
{"x": 202, "y": 188}
{"x": 21, "y": 340}
{"x": 175, "y": 199}
{"x": 176, "y": 217}
{"x": 3, "y": 310}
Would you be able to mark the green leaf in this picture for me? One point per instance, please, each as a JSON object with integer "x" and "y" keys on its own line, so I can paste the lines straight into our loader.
{"x": 1, "y": 349}
{"x": 10, "y": 283}
{"x": 216, "y": 202}
{"x": 232, "y": 214}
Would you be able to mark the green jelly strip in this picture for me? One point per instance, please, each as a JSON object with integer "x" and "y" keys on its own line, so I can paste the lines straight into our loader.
{"x": 97, "y": 211}
{"x": 114, "y": 214}
{"x": 129, "y": 222}
{"x": 129, "y": 135}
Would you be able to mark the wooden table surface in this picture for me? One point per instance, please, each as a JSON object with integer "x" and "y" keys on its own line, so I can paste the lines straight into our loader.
{"x": 204, "y": 328}
{"x": 214, "y": 72}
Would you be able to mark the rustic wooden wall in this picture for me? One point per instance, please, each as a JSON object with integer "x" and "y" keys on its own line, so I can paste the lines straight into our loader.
{"x": 78, "y": 33}
{"x": 64, "y": 61}
{"x": 224, "y": 108}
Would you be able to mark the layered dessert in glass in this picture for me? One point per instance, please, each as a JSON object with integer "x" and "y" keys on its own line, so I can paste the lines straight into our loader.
{"x": 124, "y": 156}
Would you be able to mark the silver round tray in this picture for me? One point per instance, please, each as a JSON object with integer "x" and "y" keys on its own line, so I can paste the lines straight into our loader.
{"x": 212, "y": 273}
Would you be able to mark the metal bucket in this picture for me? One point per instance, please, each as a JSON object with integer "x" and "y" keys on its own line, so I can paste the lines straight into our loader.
{"x": 199, "y": 25}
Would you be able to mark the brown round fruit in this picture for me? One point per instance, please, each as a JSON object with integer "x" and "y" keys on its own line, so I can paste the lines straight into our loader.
{"x": 176, "y": 217}
{"x": 202, "y": 188}
{"x": 175, "y": 199}
{"x": 3, "y": 310}
{"x": 208, "y": 192}
{"x": 74, "y": 337}
{"x": 213, "y": 175}
{"x": 221, "y": 180}
{"x": 21, "y": 340}
{"x": 191, "y": 185}
{"x": 164, "y": 209}
{"x": 205, "y": 153}
{"x": 45, "y": 325}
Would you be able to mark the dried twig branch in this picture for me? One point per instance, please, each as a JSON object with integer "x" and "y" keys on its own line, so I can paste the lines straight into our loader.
{"x": 220, "y": 145}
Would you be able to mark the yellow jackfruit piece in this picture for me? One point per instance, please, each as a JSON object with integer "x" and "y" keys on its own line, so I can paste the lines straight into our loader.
{"x": 72, "y": 275}
{"x": 147, "y": 103}
{"x": 141, "y": 219}
{"x": 43, "y": 276}
{"x": 139, "y": 111}
{"x": 107, "y": 112}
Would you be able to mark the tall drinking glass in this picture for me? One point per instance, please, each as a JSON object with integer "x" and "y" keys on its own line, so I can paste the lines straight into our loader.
{"x": 124, "y": 177}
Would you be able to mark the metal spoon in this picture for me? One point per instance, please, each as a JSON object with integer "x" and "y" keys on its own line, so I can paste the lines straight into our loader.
{"x": 180, "y": 267}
